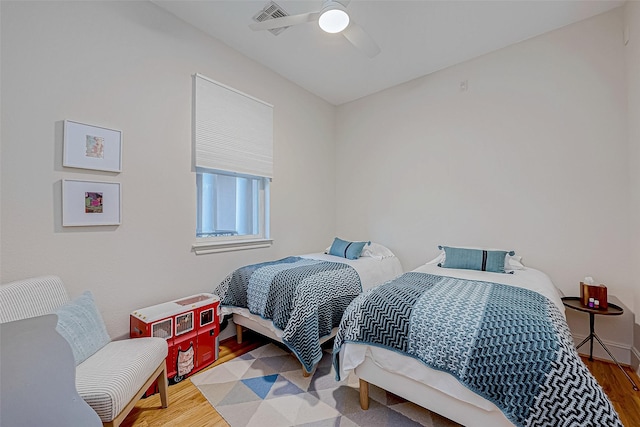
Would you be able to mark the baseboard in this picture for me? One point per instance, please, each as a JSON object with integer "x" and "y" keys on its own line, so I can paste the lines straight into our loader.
{"x": 623, "y": 353}
{"x": 635, "y": 360}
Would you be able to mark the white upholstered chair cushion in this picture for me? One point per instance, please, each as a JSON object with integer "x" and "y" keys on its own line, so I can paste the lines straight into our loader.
{"x": 108, "y": 386}
{"x": 31, "y": 297}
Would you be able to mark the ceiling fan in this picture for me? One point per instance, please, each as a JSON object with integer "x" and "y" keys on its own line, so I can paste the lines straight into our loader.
{"x": 332, "y": 18}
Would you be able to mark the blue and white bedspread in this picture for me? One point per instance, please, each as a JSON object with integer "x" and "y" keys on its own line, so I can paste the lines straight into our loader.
{"x": 305, "y": 298}
{"x": 510, "y": 345}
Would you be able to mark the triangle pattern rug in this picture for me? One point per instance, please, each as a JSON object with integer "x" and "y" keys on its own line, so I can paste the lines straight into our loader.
{"x": 265, "y": 387}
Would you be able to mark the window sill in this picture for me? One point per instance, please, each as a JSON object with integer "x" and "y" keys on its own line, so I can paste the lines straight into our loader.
{"x": 202, "y": 248}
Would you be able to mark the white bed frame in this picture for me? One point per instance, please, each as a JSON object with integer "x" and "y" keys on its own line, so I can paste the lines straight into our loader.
{"x": 426, "y": 396}
{"x": 254, "y": 323}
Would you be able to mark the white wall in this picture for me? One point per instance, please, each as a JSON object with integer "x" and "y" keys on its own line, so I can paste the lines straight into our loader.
{"x": 632, "y": 56}
{"x": 128, "y": 66}
{"x": 532, "y": 157}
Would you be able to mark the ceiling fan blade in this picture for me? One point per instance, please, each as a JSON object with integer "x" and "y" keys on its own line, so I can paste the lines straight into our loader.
{"x": 344, "y": 3}
{"x": 360, "y": 39}
{"x": 285, "y": 21}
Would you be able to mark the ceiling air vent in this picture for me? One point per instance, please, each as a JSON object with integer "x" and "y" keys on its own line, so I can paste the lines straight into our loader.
{"x": 270, "y": 11}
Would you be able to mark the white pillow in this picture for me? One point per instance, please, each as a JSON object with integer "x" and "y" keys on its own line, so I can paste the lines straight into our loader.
{"x": 510, "y": 262}
{"x": 513, "y": 262}
{"x": 437, "y": 260}
{"x": 377, "y": 251}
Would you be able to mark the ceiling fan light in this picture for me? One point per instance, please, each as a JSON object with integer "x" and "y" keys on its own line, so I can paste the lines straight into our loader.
{"x": 333, "y": 20}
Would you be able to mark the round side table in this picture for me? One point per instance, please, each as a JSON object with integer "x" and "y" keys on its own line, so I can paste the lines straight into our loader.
{"x": 575, "y": 303}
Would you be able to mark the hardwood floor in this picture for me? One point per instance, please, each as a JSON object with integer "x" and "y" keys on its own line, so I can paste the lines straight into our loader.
{"x": 619, "y": 389}
{"x": 187, "y": 407}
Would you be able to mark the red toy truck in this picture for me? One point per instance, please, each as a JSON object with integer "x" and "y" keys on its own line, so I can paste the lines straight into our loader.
{"x": 190, "y": 325}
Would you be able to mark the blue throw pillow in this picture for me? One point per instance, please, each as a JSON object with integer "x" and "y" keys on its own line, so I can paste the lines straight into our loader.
{"x": 80, "y": 323}
{"x": 346, "y": 249}
{"x": 474, "y": 259}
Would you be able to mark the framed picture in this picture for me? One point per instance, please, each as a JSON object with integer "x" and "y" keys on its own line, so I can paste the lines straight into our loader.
{"x": 92, "y": 147}
{"x": 90, "y": 203}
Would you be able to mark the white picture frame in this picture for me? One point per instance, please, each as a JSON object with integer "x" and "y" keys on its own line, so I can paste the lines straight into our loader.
{"x": 91, "y": 147}
{"x": 89, "y": 203}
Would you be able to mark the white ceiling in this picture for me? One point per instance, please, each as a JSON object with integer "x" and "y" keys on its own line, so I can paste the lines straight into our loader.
{"x": 416, "y": 37}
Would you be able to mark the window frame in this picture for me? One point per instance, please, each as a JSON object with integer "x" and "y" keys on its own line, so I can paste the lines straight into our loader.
{"x": 215, "y": 244}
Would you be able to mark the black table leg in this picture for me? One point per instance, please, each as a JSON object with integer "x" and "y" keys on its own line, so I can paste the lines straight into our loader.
{"x": 635, "y": 387}
{"x": 590, "y": 338}
{"x": 591, "y": 334}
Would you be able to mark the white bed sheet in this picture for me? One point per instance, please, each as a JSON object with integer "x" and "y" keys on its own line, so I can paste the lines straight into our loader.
{"x": 528, "y": 278}
{"x": 353, "y": 355}
{"x": 372, "y": 272}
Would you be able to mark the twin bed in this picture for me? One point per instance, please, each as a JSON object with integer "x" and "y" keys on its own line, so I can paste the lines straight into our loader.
{"x": 482, "y": 348}
{"x": 299, "y": 300}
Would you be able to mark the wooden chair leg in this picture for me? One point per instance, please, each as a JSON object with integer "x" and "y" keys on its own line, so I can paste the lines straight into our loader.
{"x": 364, "y": 394}
{"x": 239, "y": 334}
{"x": 163, "y": 386}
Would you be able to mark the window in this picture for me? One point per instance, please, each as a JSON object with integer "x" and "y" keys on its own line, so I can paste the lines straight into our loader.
{"x": 231, "y": 205}
{"x": 233, "y": 159}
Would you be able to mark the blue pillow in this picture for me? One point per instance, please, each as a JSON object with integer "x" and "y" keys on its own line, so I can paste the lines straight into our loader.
{"x": 346, "y": 249}
{"x": 474, "y": 259}
{"x": 80, "y": 323}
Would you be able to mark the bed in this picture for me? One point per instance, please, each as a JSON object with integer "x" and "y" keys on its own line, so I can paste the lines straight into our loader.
{"x": 480, "y": 348}
{"x": 299, "y": 300}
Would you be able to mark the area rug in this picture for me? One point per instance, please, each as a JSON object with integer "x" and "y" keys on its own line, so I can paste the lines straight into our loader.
{"x": 266, "y": 388}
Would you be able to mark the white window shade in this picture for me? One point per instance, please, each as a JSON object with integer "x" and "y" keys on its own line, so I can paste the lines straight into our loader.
{"x": 233, "y": 131}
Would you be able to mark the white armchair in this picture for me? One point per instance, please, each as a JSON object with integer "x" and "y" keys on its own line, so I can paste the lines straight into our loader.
{"x": 113, "y": 378}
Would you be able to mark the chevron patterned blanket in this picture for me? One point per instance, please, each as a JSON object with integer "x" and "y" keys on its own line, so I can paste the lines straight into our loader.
{"x": 510, "y": 345}
{"x": 305, "y": 298}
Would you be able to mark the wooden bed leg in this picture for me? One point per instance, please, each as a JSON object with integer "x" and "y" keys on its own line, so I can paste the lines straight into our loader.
{"x": 364, "y": 394}
{"x": 305, "y": 373}
{"x": 239, "y": 334}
